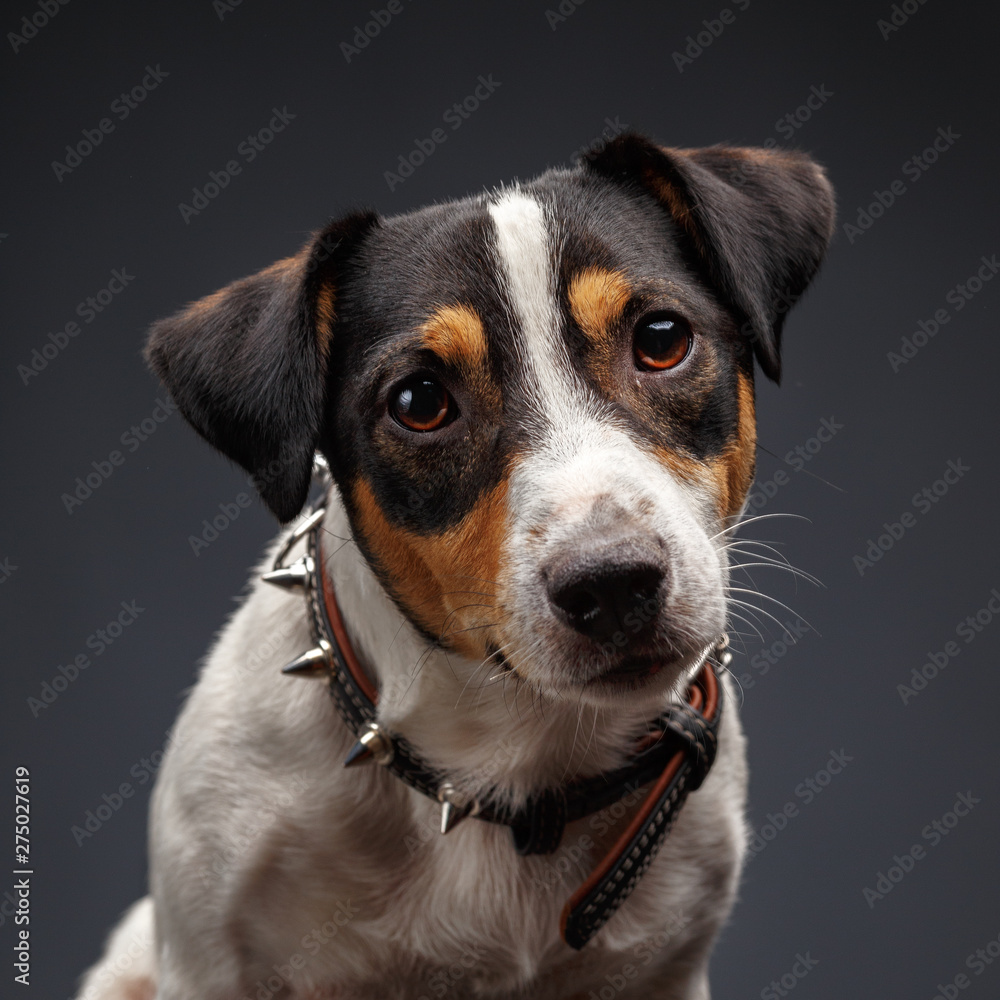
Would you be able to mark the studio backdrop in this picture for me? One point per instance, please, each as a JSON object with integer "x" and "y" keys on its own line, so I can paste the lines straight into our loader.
{"x": 157, "y": 152}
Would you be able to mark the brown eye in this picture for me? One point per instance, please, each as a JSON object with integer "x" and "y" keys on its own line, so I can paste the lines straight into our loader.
{"x": 422, "y": 405}
{"x": 661, "y": 343}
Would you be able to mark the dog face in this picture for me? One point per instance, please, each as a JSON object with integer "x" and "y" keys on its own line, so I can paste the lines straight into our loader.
{"x": 537, "y": 405}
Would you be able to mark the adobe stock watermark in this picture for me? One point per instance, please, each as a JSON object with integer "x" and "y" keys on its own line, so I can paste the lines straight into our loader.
{"x": 763, "y": 491}
{"x": 761, "y": 662}
{"x": 613, "y": 127}
{"x": 644, "y": 953}
{"x": 97, "y": 642}
{"x": 426, "y": 832}
{"x": 248, "y": 150}
{"x": 143, "y": 771}
{"x": 976, "y": 962}
{"x": 913, "y": 169}
{"x": 250, "y": 831}
{"x": 958, "y": 297}
{"x": 711, "y": 30}
{"x": 103, "y": 469}
{"x": 786, "y": 127}
{"x": 967, "y": 629}
{"x": 229, "y": 512}
{"x": 806, "y": 791}
{"x": 7, "y": 569}
{"x": 121, "y": 107}
{"x": 565, "y": 10}
{"x": 903, "y": 864}
{"x": 899, "y": 14}
{"x": 224, "y": 7}
{"x": 572, "y": 857}
{"x": 282, "y": 982}
{"x": 365, "y": 33}
{"x": 444, "y": 979}
{"x": 32, "y": 23}
{"x": 454, "y": 117}
{"x": 923, "y": 501}
{"x": 264, "y": 654}
{"x": 88, "y": 310}
{"x": 210, "y": 531}
{"x": 787, "y": 981}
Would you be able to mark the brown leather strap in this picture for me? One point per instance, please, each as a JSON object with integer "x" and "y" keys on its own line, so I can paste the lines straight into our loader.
{"x": 361, "y": 679}
{"x": 612, "y": 881}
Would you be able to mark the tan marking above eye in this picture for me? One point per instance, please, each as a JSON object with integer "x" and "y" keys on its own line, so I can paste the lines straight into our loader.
{"x": 597, "y": 298}
{"x": 456, "y": 335}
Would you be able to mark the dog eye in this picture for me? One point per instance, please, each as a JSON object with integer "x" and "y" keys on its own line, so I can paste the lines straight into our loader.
{"x": 661, "y": 342}
{"x": 422, "y": 404}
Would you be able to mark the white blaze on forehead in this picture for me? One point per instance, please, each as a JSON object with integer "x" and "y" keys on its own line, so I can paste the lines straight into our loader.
{"x": 526, "y": 250}
{"x": 583, "y": 452}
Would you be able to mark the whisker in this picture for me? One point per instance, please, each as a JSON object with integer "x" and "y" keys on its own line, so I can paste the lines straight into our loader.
{"x": 747, "y": 621}
{"x": 770, "y": 564}
{"x": 755, "y": 518}
{"x": 767, "y": 614}
{"x": 767, "y": 597}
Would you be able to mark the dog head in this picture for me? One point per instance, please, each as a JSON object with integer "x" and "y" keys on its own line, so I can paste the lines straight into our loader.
{"x": 538, "y": 405}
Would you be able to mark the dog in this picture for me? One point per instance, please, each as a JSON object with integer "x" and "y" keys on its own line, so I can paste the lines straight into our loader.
{"x": 536, "y": 407}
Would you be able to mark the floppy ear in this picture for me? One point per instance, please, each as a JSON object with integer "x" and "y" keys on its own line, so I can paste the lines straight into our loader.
{"x": 756, "y": 221}
{"x": 247, "y": 365}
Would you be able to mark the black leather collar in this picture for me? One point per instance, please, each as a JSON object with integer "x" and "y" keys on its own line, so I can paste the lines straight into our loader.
{"x": 673, "y": 763}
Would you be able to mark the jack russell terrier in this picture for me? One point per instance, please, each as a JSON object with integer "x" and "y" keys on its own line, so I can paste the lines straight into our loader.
{"x": 535, "y": 412}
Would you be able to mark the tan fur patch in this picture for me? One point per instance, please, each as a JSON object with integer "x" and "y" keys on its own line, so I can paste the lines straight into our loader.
{"x": 688, "y": 469}
{"x": 325, "y": 300}
{"x": 678, "y": 207}
{"x": 447, "y": 581}
{"x": 455, "y": 334}
{"x": 729, "y": 475}
{"x": 596, "y": 299}
{"x": 732, "y": 472}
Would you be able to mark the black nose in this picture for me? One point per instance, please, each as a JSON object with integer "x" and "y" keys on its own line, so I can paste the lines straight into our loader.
{"x": 609, "y": 591}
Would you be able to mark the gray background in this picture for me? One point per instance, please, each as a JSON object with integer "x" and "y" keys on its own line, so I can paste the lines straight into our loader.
{"x": 835, "y": 689}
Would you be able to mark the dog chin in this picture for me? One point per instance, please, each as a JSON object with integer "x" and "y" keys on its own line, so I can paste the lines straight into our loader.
{"x": 633, "y": 679}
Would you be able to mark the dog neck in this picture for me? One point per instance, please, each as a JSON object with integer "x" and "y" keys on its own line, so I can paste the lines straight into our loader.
{"x": 499, "y": 737}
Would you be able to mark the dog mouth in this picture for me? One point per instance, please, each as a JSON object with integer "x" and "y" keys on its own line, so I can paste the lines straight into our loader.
{"x": 637, "y": 672}
{"x": 630, "y": 672}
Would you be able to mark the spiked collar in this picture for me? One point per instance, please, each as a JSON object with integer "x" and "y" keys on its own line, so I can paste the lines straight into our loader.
{"x": 671, "y": 762}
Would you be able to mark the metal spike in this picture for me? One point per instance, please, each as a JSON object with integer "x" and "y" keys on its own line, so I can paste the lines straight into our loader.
{"x": 303, "y": 528}
{"x": 373, "y": 745}
{"x": 360, "y": 754}
{"x": 321, "y": 470}
{"x": 451, "y": 816}
{"x": 312, "y": 663}
{"x": 292, "y": 577}
{"x": 452, "y": 812}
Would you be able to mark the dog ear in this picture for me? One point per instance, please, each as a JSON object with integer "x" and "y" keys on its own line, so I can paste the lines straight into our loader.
{"x": 756, "y": 221}
{"x": 247, "y": 365}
